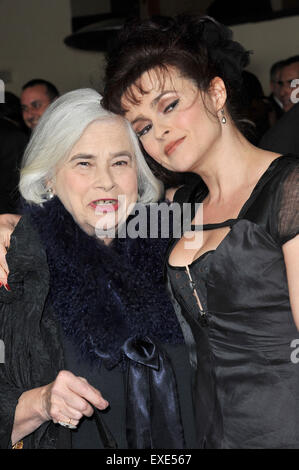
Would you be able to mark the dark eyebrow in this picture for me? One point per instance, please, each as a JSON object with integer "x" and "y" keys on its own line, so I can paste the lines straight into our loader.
{"x": 139, "y": 118}
{"x": 157, "y": 99}
{"x": 31, "y": 103}
{"x": 288, "y": 80}
{"x": 153, "y": 104}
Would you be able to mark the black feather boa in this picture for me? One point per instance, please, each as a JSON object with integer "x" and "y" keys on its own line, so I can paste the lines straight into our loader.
{"x": 104, "y": 295}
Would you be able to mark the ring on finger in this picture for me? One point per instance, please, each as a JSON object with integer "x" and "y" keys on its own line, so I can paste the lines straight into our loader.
{"x": 68, "y": 425}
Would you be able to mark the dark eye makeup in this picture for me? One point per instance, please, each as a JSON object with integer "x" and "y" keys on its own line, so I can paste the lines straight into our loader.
{"x": 166, "y": 110}
{"x": 144, "y": 131}
{"x": 171, "y": 106}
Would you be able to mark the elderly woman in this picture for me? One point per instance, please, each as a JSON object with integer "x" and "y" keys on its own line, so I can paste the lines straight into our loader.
{"x": 236, "y": 287}
{"x": 94, "y": 355}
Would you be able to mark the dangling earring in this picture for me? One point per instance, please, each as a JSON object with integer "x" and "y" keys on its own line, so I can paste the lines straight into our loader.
{"x": 49, "y": 194}
{"x": 223, "y": 119}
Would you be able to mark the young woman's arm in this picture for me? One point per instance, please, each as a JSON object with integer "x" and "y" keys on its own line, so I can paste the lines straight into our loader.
{"x": 291, "y": 255}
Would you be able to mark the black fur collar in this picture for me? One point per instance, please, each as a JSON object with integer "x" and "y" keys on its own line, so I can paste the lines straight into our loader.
{"x": 104, "y": 295}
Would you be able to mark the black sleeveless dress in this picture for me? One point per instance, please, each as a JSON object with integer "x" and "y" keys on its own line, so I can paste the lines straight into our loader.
{"x": 245, "y": 383}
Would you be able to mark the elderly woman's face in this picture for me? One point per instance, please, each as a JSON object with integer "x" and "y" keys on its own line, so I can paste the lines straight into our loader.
{"x": 97, "y": 182}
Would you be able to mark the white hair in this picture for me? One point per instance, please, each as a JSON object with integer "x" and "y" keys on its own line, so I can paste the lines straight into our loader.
{"x": 59, "y": 128}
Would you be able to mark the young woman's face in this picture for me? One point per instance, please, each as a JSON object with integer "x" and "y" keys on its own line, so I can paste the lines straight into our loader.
{"x": 172, "y": 122}
{"x": 97, "y": 183}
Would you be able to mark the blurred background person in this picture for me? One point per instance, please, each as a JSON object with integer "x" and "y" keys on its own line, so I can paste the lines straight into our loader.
{"x": 13, "y": 141}
{"x": 288, "y": 73}
{"x": 36, "y": 96}
{"x": 283, "y": 137}
{"x": 277, "y": 107}
{"x": 255, "y": 108}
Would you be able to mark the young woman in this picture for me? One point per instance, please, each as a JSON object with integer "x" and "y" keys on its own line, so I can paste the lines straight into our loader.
{"x": 234, "y": 286}
{"x": 85, "y": 315}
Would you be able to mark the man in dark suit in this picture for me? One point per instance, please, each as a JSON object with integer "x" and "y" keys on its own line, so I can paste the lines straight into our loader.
{"x": 276, "y": 105}
{"x": 13, "y": 140}
{"x": 287, "y": 76}
{"x": 283, "y": 137}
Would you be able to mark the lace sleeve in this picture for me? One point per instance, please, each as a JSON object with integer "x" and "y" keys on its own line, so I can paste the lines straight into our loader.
{"x": 288, "y": 214}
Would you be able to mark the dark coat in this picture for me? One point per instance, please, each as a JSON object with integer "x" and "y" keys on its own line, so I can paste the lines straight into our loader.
{"x": 12, "y": 146}
{"x": 33, "y": 353}
{"x": 283, "y": 137}
{"x": 278, "y": 110}
{"x": 33, "y": 323}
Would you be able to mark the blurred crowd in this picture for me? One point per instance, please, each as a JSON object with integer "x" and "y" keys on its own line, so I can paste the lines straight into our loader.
{"x": 270, "y": 122}
{"x": 261, "y": 113}
{"x": 18, "y": 118}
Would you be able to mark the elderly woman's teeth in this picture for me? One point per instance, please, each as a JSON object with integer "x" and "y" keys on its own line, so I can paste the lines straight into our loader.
{"x": 105, "y": 201}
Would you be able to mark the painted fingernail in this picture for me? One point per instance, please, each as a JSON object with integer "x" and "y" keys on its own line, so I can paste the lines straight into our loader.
{"x": 7, "y": 287}
{"x": 1, "y": 284}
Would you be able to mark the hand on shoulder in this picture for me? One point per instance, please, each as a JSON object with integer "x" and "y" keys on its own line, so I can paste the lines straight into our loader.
{"x": 170, "y": 192}
{"x": 8, "y": 223}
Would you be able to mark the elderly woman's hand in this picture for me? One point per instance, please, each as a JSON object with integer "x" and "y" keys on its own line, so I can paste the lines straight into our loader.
{"x": 69, "y": 398}
{"x": 65, "y": 400}
{"x": 8, "y": 223}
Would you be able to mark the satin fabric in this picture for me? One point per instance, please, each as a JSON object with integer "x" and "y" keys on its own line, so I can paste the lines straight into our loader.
{"x": 156, "y": 422}
{"x": 245, "y": 386}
